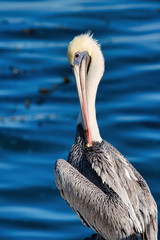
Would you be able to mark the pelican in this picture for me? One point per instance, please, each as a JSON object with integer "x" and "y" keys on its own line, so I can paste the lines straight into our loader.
{"x": 97, "y": 181}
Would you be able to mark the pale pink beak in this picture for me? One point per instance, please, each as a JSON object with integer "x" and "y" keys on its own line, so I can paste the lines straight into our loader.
{"x": 80, "y": 68}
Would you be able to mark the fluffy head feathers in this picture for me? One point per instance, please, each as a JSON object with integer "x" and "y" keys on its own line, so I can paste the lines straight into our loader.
{"x": 82, "y": 43}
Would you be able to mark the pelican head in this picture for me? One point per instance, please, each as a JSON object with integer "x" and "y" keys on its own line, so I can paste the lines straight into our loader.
{"x": 86, "y": 59}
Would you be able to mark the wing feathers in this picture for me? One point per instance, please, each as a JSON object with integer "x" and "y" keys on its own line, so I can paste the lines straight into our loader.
{"x": 120, "y": 175}
{"x": 106, "y": 214}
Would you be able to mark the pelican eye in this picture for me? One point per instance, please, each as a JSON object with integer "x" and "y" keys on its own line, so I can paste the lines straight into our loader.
{"x": 77, "y": 55}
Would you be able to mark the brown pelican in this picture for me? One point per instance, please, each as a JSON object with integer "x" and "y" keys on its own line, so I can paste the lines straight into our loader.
{"x": 98, "y": 182}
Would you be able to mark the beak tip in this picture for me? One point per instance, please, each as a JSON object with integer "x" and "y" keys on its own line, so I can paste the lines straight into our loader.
{"x": 89, "y": 145}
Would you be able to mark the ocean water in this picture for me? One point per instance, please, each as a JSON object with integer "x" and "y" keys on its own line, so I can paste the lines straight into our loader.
{"x": 39, "y": 103}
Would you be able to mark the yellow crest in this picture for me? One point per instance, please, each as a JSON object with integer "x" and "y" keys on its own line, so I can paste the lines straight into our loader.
{"x": 81, "y": 43}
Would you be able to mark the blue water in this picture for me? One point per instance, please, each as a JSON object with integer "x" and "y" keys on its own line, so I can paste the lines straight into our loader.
{"x": 39, "y": 103}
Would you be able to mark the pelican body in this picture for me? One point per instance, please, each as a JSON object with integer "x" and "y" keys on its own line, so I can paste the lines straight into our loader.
{"x": 97, "y": 181}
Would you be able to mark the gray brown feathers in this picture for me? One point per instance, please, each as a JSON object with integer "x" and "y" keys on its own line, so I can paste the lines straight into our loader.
{"x": 99, "y": 210}
{"x": 106, "y": 191}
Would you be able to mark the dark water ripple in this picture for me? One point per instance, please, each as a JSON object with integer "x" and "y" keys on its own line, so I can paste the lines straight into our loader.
{"x": 39, "y": 103}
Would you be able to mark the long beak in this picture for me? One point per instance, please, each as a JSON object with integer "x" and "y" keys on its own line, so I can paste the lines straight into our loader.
{"x": 80, "y": 72}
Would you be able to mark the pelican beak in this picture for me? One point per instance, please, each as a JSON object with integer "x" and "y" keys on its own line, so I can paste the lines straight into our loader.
{"x": 80, "y": 69}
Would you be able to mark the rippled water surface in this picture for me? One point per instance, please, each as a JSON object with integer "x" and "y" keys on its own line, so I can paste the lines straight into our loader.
{"x": 39, "y": 103}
